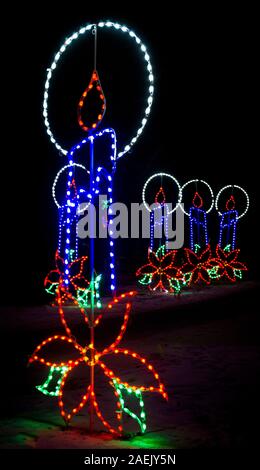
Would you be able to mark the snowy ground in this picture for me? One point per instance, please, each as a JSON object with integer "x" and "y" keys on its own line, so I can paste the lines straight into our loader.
{"x": 203, "y": 344}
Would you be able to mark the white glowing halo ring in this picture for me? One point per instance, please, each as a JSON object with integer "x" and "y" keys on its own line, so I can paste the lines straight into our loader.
{"x": 57, "y": 178}
{"x": 68, "y": 41}
{"x": 168, "y": 176}
{"x": 233, "y": 186}
{"x": 210, "y": 190}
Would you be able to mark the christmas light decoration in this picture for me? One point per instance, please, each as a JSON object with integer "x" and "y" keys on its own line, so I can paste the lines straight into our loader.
{"x": 229, "y": 218}
{"x": 120, "y": 388}
{"x": 75, "y": 281}
{"x": 70, "y": 40}
{"x": 93, "y": 85}
{"x": 161, "y": 273}
{"x": 198, "y": 215}
{"x": 162, "y": 175}
{"x": 84, "y": 298}
{"x": 66, "y": 167}
{"x": 88, "y": 356}
{"x": 100, "y": 177}
{"x": 197, "y": 195}
{"x": 198, "y": 227}
{"x": 201, "y": 264}
{"x": 155, "y": 274}
{"x": 162, "y": 223}
{"x": 228, "y": 266}
{"x": 227, "y": 228}
{"x": 232, "y": 187}
{"x": 73, "y": 206}
{"x": 159, "y": 210}
{"x": 59, "y": 372}
{"x": 198, "y": 265}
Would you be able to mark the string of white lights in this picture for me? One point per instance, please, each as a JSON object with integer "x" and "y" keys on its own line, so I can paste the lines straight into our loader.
{"x": 196, "y": 181}
{"x": 72, "y": 164}
{"x": 57, "y": 58}
{"x": 237, "y": 187}
{"x": 161, "y": 175}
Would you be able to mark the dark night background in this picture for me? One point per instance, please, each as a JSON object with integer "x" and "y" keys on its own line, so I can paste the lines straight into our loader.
{"x": 202, "y": 124}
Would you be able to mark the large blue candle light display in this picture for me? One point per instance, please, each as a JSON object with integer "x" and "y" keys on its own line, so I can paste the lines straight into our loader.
{"x": 78, "y": 279}
{"x": 100, "y": 147}
{"x": 198, "y": 215}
